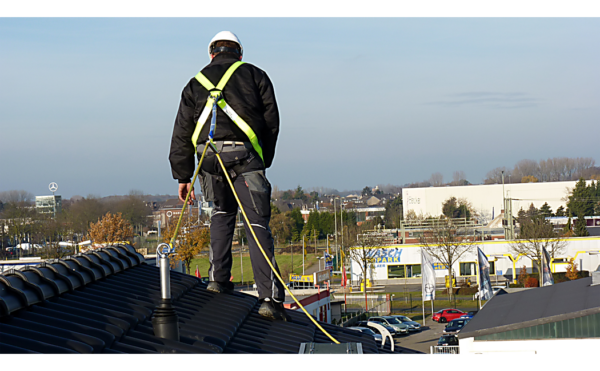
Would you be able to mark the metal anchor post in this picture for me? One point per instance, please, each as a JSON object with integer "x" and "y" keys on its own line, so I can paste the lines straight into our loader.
{"x": 164, "y": 319}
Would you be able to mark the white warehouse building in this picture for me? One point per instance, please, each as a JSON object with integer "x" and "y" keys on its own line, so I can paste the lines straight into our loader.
{"x": 487, "y": 200}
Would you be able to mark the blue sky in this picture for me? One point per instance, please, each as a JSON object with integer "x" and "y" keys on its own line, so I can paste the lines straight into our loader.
{"x": 89, "y": 103}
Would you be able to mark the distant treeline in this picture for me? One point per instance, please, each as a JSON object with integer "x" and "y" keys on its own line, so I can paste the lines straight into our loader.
{"x": 526, "y": 171}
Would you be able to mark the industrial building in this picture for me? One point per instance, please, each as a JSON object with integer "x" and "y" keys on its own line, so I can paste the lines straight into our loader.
{"x": 487, "y": 200}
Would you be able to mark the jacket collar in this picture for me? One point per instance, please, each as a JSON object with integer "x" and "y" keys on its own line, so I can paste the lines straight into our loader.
{"x": 222, "y": 58}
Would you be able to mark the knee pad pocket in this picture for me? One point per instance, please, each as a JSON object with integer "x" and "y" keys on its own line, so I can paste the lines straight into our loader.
{"x": 260, "y": 191}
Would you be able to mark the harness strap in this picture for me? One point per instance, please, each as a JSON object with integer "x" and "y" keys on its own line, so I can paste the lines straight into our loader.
{"x": 215, "y": 94}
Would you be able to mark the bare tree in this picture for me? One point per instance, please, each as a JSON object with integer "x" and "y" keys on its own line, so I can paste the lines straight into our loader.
{"x": 525, "y": 168}
{"x": 495, "y": 176}
{"x": 16, "y": 196}
{"x": 445, "y": 243}
{"x": 437, "y": 179}
{"x": 458, "y": 176}
{"x": 536, "y": 233}
{"x": 363, "y": 253}
{"x": 570, "y": 168}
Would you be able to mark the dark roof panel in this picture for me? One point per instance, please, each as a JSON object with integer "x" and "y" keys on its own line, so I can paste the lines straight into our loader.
{"x": 535, "y": 306}
{"x": 102, "y": 302}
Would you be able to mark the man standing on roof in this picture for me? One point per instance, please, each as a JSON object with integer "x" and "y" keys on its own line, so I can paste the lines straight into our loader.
{"x": 247, "y": 125}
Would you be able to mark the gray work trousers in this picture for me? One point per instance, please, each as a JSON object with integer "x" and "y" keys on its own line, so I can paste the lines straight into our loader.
{"x": 254, "y": 192}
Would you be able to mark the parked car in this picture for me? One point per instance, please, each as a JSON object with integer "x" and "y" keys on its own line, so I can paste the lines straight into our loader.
{"x": 469, "y": 315}
{"x": 368, "y": 331}
{"x": 412, "y": 325}
{"x": 400, "y": 327}
{"x": 446, "y": 315}
{"x": 390, "y": 329}
{"x": 446, "y": 340}
{"x": 454, "y": 326}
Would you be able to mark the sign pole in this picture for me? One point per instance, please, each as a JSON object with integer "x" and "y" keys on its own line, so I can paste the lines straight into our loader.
{"x": 422, "y": 296}
{"x": 303, "y": 254}
{"x": 479, "y": 282}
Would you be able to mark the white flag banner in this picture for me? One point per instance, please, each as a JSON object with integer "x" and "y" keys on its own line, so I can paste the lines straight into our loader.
{"x": 547, "y": 275}
{"x": 485, "y": 283}
{"x": 428, "y": 276}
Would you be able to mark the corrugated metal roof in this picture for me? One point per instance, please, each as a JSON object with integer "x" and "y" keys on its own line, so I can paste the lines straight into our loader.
{"x": 102, "y": 302}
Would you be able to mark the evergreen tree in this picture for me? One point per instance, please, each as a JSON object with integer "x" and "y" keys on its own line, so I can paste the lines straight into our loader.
{"x": 580, "y": 227}
{"x": 312, "y": 223}
{"x": 452, "y": 208}
{"x": 449, "y": 207}
{"x": 393, "y": 213}
{"x": 581, "y": 200}
{"x": 545, "y": 210}
{"x": 567, "y": 228}
{"x": 367, "y": 191}
{"x": 298, "y": 223}
{"x": 560, "y": 211}
{"x": 326, "y": 223}
{"x": 299, "y": 194}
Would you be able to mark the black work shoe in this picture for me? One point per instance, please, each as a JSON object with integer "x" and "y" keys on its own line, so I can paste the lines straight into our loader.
{"x": 220, "y": 287}
{"x": 273, "y": 309}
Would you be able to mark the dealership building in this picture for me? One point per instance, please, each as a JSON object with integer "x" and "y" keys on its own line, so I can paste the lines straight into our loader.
{"x": 399, "y": 264}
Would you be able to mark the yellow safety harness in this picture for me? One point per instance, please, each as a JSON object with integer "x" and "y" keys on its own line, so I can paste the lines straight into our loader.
{"x": 213, "y": 100}
{"x": 216, "y": 95}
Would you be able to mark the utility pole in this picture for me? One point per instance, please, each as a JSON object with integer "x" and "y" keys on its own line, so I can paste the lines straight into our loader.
{"x": 241, "y": 261}
{"x": 507, "y": 221}
{"x": 337, "y": 248}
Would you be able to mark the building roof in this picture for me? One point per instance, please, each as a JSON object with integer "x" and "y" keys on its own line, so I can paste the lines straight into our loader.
{"x": 102, "y": 302}
{"x": 558, "y": 302}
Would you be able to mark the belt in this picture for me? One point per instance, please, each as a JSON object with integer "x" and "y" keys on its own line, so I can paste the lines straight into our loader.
{"x": 230, "y": 145}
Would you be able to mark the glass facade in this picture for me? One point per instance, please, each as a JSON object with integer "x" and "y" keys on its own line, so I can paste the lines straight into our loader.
{"x": 580, "y": 327}
{"x": 470, "y": 268}
{"x": 46, "y": 204}
{"x": 404, "y": 271}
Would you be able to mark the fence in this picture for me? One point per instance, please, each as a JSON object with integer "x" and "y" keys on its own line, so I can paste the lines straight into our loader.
{"x": 374, "y": 302}
{"x": 354, "y": 310}
{"x": 447, "y": 349}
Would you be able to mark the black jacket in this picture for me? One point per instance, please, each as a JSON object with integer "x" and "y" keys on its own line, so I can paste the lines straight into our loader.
{"x": 249, "y": 92}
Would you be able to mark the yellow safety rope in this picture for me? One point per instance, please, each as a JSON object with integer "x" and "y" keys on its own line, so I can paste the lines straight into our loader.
{"x": 265, "y": 255}
{"x": 172, "y": 243}
{"x": 187, "y": 197}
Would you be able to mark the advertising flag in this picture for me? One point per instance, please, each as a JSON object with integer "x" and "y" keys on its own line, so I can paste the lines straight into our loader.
{"x": 428, "y": 276}
{"x": 485, "y": 285}
{"x": 198, "y": 272}
{"x": 548, "y": 279}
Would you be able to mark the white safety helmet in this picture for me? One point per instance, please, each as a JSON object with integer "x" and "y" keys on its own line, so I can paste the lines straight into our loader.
{"x": 225, "y": 35}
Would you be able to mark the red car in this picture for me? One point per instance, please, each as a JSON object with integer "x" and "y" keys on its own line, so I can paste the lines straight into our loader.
{"x": 446, "y": 315}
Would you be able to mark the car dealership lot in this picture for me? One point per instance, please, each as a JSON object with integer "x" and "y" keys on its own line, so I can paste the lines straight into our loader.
{"x": 422, "y": 340}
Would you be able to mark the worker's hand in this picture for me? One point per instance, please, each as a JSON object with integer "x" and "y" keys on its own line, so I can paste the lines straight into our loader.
{"x": 184, "y": 188}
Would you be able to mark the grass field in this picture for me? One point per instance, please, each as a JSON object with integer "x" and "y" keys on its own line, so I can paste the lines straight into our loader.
{"x": 284, "y": 261}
